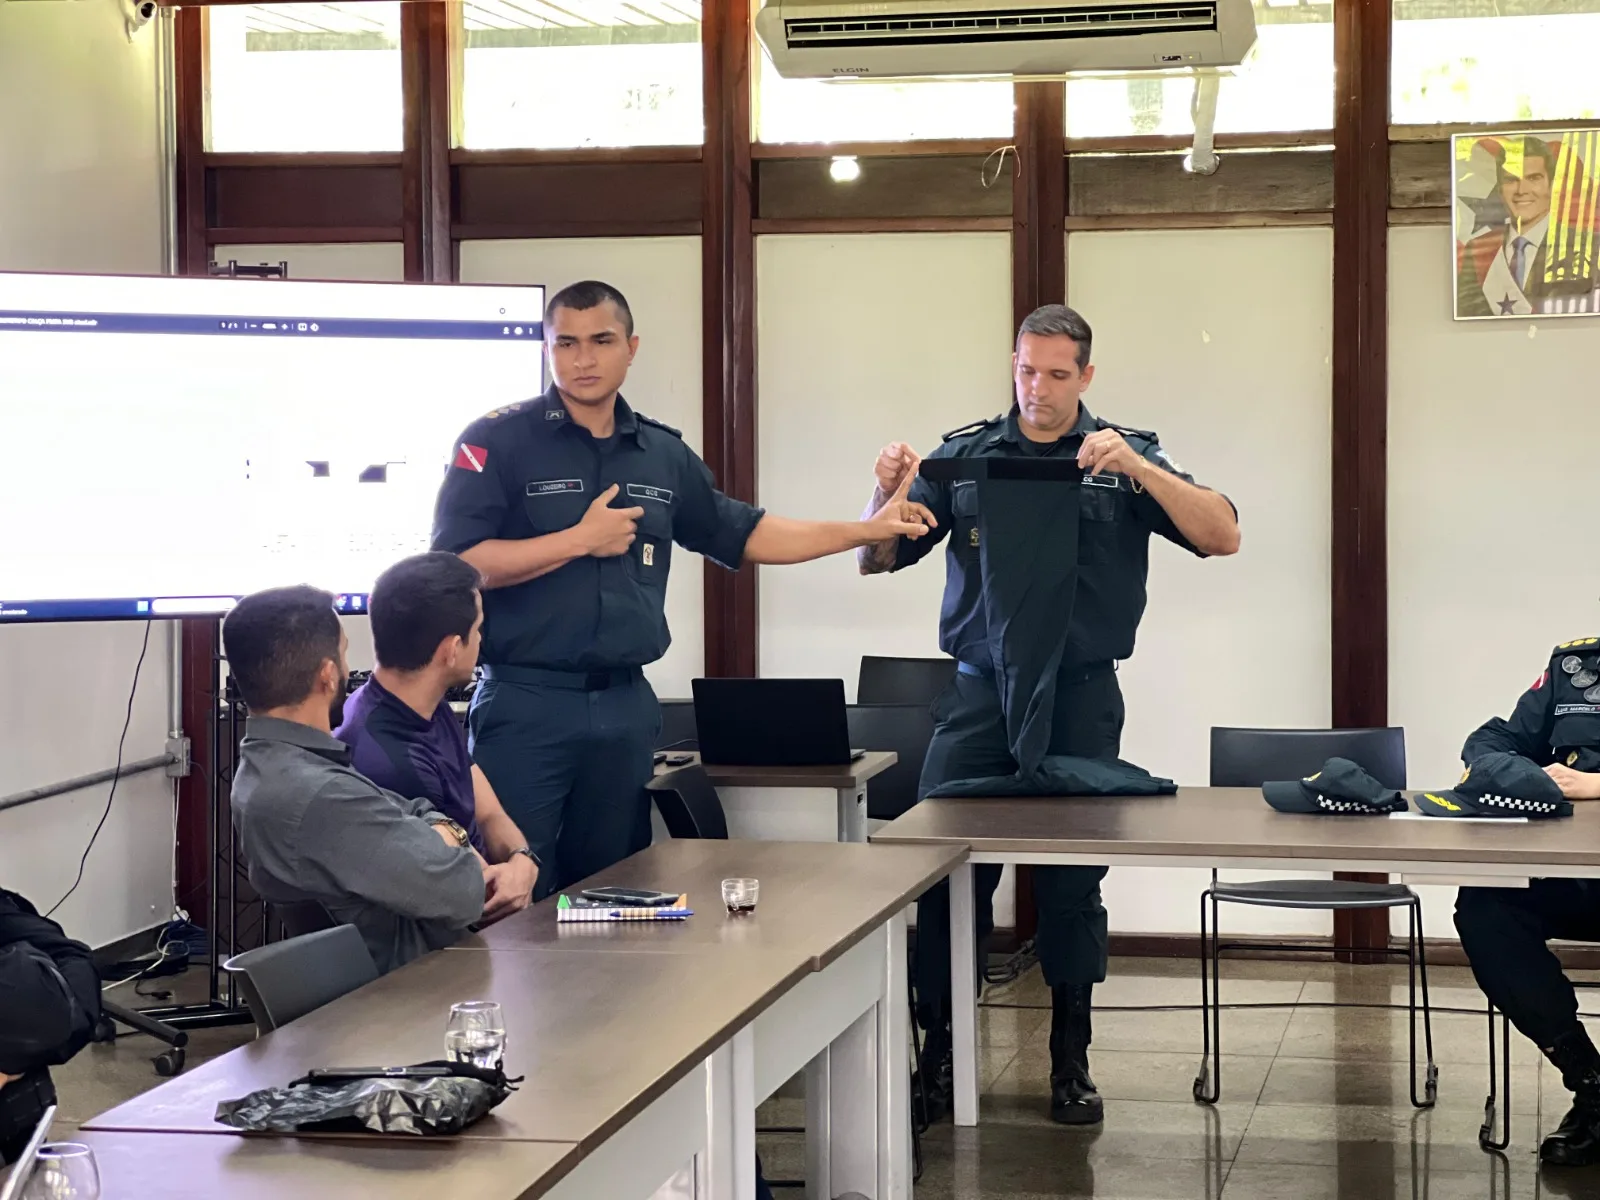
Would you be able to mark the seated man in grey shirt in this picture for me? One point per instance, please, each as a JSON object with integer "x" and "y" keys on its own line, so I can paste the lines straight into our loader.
{"x": 310, "y": 826}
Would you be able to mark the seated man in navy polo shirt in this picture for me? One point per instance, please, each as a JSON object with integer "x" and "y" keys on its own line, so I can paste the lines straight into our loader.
{"x": 427, "y": 615}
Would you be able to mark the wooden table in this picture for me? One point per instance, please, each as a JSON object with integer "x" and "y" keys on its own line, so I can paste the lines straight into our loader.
{"x": 838, "y": 906}
{"x": 182, "y": 1166}
{"x": 644, "y": 1046}
{"x": 1216, "y": 827}
{"x": 848, "y": 781}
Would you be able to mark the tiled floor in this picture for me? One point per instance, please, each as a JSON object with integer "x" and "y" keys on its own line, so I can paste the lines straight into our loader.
{"x": 1314, "y": 1103}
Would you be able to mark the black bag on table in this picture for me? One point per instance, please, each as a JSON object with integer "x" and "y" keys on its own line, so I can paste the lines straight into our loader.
{"x": 429, "y": 1099}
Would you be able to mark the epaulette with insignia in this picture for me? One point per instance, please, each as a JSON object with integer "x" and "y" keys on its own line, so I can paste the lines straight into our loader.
{"x": 1575, "y": 644}
{"x": 503, "y": 410}
{"x": 1128, "y": 431}
{"x": 974, "y": 427}
{"x": 662, "y": 425}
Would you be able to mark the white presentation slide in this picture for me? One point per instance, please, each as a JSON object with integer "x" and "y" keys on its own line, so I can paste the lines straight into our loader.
{"x": 168, "y": 445}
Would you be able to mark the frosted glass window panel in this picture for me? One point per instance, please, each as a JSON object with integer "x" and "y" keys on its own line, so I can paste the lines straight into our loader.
{"x": 1284, "y": 84}
{"x": 582, "y": 73}
{"x": 305, "y": 77}
{"x": 1462, "y": 60}
{"x": 860, "y": 110}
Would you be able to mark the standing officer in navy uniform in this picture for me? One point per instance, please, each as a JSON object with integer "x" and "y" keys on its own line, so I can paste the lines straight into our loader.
{"x": 1131, "y": 489}
{"x": 569, "y": 505}
{"x": 1505, "y": 930}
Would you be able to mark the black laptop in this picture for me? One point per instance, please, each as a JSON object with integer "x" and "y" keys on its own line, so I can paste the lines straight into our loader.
{"x": 772, "y": 722}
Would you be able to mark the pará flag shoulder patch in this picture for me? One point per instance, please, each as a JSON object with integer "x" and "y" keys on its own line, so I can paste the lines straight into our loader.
{"x": 1540, "y": 682}
{"x": 471, "y": 458}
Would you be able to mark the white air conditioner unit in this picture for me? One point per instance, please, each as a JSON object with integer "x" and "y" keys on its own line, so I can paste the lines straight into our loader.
{"x": 826, "y": 39}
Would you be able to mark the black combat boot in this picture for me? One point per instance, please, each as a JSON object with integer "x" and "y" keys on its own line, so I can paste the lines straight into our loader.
{"x": 933, "y": 1082}
{"x": 1576, "y": 1141}
{"x": 1073, "y": 1100}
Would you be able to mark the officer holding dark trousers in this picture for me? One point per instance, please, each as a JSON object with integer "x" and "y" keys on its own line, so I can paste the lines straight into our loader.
{"x": 1129, "y": 488}
{"x": 1505, "y": 931}
{"x": 569, "y": 506}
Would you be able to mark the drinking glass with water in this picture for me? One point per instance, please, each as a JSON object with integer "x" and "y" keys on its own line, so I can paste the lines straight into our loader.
{"x": 476, "y": 1034}
{"x": 63, "y": 1171}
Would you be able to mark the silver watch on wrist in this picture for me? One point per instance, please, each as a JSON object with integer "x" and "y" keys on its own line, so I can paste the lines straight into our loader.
{"x": 525, "y": 851}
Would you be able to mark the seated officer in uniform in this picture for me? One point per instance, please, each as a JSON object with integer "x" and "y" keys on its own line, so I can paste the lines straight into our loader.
{"x": 569, "y": 505}
{"x": 427, "y": 617}
{"x": 1137, "y": 490}
{"x": 1504, "y": 930}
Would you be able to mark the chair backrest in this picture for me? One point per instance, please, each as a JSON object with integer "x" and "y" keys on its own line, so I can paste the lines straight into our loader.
{"x": 904, "y": 728}
{"x": 1251, "y": 757}
{"x": 689, "y": 806}
{"x": 290, "y": 978}
{"x": 677, "y": 726}
{"x": 302, "y": 916}
{"x": 902, "y": 680}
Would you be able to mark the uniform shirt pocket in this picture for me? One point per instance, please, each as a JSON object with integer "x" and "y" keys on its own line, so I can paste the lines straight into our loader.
{"x": 555, "y": 504}
{"x": 1103, "y": 503}
{"x": 650, "y": 556}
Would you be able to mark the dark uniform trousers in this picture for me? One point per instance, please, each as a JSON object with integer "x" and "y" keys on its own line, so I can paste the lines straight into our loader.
{"x": 1504, "y": 932}
{"x": 970, "y": 740}
{"x": 571, "y": 753}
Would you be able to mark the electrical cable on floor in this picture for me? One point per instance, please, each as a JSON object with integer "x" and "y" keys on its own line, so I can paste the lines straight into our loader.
{"x": 116, "y": 776}
{"x": 1014, "y": 967}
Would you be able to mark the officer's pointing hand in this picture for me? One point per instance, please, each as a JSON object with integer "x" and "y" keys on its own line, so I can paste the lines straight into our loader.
{"x": 897, "y": 463}
{"x": 1106, "y": 450}
{"x": 606, "y": 531}
{"x": 900, "y": 517}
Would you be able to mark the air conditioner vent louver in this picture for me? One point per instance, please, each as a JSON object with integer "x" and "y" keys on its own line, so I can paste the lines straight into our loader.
{"x": 1001, "y": 25}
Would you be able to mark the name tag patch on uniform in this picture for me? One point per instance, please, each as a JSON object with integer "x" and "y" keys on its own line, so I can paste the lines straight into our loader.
{"x": 643, "y": 491}
{"x": 1563, "y": 710}
{"x": 554, "y": 487}
{"x": 1105, "y": 481}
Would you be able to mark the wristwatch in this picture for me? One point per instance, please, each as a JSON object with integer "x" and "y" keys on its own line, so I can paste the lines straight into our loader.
{"x": 457, "y": 831}
{"x": 526, "y": 852}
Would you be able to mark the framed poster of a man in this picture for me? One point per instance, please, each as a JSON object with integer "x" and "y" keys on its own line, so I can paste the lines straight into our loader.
{"x": 1527, "y": 224}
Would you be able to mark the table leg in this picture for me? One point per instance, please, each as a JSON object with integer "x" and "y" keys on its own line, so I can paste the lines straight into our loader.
{"x": 853, "y": 814}
{"x": 819, "y": 1131}
{"x": 727, "y": 1168}
{"x": 963, "y": 995}
{"x": 894, "y": 1071}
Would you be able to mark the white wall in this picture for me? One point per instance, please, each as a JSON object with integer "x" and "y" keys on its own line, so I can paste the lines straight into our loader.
{"x": 866, "y": 339}
{"x": 1491, "y": 510}
{"x": 661, "y": 279}
{"x": 80, "y": 191}
{"x": 1219, "y": 340}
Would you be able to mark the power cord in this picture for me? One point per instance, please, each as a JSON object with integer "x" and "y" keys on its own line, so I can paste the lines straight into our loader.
{"x": 116, "y": 777}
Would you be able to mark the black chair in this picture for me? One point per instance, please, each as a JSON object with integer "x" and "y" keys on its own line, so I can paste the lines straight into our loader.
{"x": 1500, "y": 1098}
{"x": 678, "y": 730}
{"x": 903, "y": 680}
{"x": 286, "y": 980}
{"x": 904, "y": 728}
{"x": 1249, "y": 758}
{"x": 170, "y": 1061}
{"x": 689, "y": 804}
